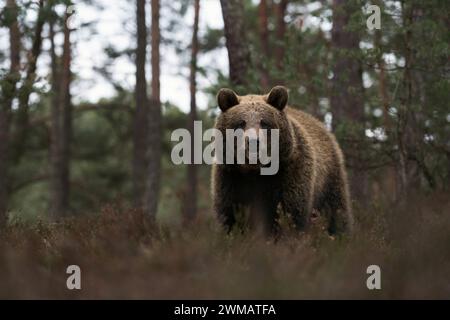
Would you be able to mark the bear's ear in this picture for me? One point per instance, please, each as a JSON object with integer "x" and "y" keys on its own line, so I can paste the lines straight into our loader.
{"x": 227, "y": 98}
{"x": 278, "y": 97}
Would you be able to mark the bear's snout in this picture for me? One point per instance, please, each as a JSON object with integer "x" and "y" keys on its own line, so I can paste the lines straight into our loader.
{"x": 252, "y": 148}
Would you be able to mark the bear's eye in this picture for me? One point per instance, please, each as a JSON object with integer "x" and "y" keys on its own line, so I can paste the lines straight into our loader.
{"x": 240, "y": 124}
{"x": 265, "y": 124}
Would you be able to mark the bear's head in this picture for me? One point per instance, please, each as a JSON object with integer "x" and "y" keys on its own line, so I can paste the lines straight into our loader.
{"x": 255, "y": 116}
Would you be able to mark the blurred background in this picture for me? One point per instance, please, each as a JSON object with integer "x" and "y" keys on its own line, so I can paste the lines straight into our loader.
{"x": 91, "y": 91}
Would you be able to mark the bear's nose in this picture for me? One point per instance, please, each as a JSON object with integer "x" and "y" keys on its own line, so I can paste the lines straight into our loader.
{"x": 251, "y": 147}
{"x": 254, "y": 140}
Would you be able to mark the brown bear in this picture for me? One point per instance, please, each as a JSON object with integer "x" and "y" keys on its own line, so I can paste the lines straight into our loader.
{"x": 311, "y": 171}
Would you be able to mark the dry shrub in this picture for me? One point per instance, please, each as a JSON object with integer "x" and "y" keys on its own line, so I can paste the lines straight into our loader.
{"x": 123, "y": 254}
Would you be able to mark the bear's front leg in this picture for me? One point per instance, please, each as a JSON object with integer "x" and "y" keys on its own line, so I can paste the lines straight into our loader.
{"x": 338, "y": 203}
{"x": 298, "y": 200}
{"x": 223, "y": 202}
{"x": 264, "y": 214}
{"x": 271, "y": 225}
{"x": 226, "y": 217}
{"x": 299, "y": 206}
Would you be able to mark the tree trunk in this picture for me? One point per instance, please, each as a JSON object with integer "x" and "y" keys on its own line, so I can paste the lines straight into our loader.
{"x": 408, "y": 132}
{"x": 4, "y": 138}
{"x": 281, "y": 33}
{"x": 264, "y": 41}
{"x": 66, "y": 118}
{"x": 236, "y": 41}
{"x": 27, "y": 86}
{"x": 61, "y": 124}
{"x": 347, "y": 89}
{"x": 383, "y": 79}
{"x": 142, "y": 109}
{"x": 55, "y": 141}
{"x": 9, "y": 92}
{"x": 191, "y": 201}
{"x": 390, "y": 173}
{"x": 155, "y": 134}
{"x": 14, "y": 37}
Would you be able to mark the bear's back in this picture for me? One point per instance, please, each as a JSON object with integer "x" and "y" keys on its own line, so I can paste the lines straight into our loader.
{"x": 328, "y": 155}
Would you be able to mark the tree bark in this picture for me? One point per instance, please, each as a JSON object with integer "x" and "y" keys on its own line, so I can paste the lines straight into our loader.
{"x": 347, "y": 89}
{"x": 408, "y": 131}
{"x": 155, "y": 126}
{"x": 66, "y": 118}
{"x": 346, "y": 99}
{"x": 236, "y": 41}
{"x": 281, "y": 32}
{"x": 27, "y": 86}
{"x": 391, "y": 175}
{"x": 142, "y": 109}
{"x": 191, "y": 201}
{"x": 4, "y": 146}
{"x": 55, "y": 131}
{"x": 61, "y": 124}
{"x": 14, "y": 37}
{"x": 264, "y": 42}
{"x": 383, "y": 78}
{"x": 9, "y": 92}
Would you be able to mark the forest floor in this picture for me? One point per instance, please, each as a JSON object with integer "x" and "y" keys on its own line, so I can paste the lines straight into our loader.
{"x": 122, "y": 255}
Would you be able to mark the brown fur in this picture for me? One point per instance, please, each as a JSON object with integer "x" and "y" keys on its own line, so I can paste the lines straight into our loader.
{"x": 311, "y": 175}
